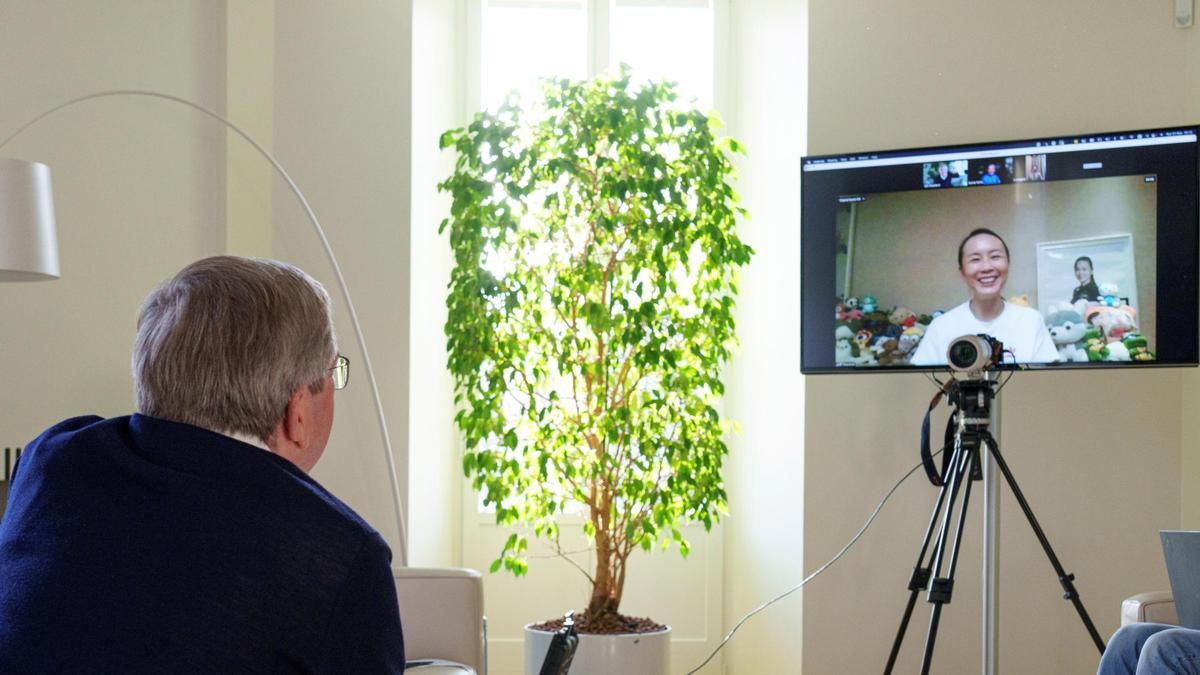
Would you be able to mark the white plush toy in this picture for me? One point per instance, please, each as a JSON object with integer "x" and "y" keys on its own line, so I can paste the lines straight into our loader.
{"x": 1117, "y": 351}
{"x": 1108, "y": 294}
{"x": 1067, "y": 329}
{"x": 844, "y": 354}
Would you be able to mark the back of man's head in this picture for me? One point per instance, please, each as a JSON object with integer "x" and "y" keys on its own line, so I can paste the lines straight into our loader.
{"x": 225, "y": 342}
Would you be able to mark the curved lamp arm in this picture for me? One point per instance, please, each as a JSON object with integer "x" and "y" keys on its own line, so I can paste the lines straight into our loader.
{"x": 337, "y": 270}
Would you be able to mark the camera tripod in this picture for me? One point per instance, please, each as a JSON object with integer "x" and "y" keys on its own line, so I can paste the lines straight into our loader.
{"x": 972, "y": 399}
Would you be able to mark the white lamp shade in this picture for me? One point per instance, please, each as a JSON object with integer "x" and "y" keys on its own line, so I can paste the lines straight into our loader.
{"x": 28, "y": 243}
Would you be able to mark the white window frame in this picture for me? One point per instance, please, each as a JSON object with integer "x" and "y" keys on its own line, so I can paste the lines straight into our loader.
{"x": 598, "y": 21}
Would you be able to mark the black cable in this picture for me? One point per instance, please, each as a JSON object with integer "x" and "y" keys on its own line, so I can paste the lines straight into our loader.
{"x": 1001, "y": 385}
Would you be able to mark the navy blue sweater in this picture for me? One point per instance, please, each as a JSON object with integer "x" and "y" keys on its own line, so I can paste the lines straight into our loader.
{"x": 139, "y": 545}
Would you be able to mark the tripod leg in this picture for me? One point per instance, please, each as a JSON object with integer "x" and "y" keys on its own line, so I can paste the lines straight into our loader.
{"x": 920, "y": 574}
{"x": 927, "y": 659}
{"x": 908, "y": 610}
{"x": 1067, "y": 580}
{"x": 941, "y": 588}
{"x": 973, "y": 460}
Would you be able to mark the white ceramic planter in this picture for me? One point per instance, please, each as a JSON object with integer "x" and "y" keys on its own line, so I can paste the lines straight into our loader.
{"x": 626, "y": 653}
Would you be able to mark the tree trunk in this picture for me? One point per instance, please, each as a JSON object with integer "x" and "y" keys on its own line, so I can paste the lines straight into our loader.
{"x": 602, "y": 581}
{"x": 609, "y": 579}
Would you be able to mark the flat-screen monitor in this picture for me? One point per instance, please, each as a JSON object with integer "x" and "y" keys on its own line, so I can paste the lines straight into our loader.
{"x": 1077, "y": 251}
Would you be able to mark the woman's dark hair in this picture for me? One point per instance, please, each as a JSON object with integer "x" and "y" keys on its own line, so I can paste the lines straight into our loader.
{"x": 975, "y": 233}
{"x": 1091, "y": 266}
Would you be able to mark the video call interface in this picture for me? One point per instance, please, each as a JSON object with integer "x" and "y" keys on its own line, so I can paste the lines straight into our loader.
{"x": 1094, "y": 255}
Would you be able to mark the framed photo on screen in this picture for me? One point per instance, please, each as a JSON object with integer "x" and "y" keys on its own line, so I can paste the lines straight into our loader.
{"x": 1065, "y": 267}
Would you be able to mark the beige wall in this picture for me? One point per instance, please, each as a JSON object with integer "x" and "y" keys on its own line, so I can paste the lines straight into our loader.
{"x": 882, "y": 75}
{"x": 435, "y": 467}
{"x": 764, "y": 533}
{"x": 138, "y": 187}
{"x": 140, "y": 190}
{"x": 342, "y": 121}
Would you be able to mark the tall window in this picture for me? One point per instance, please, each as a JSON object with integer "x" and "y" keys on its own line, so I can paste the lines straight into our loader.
{"x": 520, "y": 41}
{"x": 515, "y": 43}
{"x": 523, "y": 41}
{"x": 666, "y": 40}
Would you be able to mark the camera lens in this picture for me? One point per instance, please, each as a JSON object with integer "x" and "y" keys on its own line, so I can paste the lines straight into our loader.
{"x": 963, "y": 354}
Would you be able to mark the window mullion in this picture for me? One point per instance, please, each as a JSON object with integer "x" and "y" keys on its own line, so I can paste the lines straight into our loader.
{"x": 722, "y": 94}
{"x": 599, "y": 40}
{"x": 473, "y": 80}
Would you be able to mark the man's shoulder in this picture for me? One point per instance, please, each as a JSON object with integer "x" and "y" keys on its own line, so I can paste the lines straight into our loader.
{"x": 184, "y": 460}
{"x": 332, "y": 507}
{"x": 71, "y": 426}
{"x": 58, "y": 440}
{"x": 279, "y": 486}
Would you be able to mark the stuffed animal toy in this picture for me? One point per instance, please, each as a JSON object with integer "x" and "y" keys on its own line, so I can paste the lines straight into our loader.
{"x": 864, "y": 355}
{"x": 1114, "y": 322}
{"x": 839, "y": 312}
{"x": 851, "y": 303}
{"x": 1108, "y": 294}
{"x": 863, "y": 340}
{"x": 876, "y": 322}
{"x": 868, "y": 304}
{"x": 1020, "y": 300}
{"x": 903, "y": 317}
{"x": 1120, "y": 324}
{"x": 1095, "y": 346}
{"x": 1139, "y": 349}
{"x": 892, "y": 330}
{"x": 910, "y": 339}
{"x": 1078, "y": 307}
{"x": 1117, "y": 351}
{"x": 842, "y": 355}
{"x": 886, "y": 350}
{"x": 1067, "y": 329}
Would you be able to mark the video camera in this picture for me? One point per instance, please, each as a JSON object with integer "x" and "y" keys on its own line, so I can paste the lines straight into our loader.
{"x": 974, "y": 355}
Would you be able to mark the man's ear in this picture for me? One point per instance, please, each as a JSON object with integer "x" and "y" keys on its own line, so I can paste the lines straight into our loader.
{"x": 294, "y": 428}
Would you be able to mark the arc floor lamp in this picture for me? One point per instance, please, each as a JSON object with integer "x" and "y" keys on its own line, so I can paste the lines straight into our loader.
{"x": 29, "y": 247}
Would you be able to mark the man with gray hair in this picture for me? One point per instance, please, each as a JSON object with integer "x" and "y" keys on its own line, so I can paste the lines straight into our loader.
{"x": 189, "y": 537}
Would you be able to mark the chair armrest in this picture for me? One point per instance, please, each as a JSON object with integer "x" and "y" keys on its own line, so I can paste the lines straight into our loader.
{"x": 442, "y": 614}
{"x": 1151, "y": 607}
{"x": 437, "y": 667}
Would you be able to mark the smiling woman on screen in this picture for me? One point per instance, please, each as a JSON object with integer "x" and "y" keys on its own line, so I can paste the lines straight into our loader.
{"x": 1087, "y": 289}
{"x": 983, "y": 265}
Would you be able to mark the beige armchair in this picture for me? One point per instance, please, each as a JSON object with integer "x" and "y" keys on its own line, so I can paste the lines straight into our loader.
{"x": 445, "y": 631}
{"x": 1152, "y": 607}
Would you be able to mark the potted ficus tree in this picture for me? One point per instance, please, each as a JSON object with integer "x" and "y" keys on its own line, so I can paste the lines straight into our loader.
{"x": 591, "y": 309}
